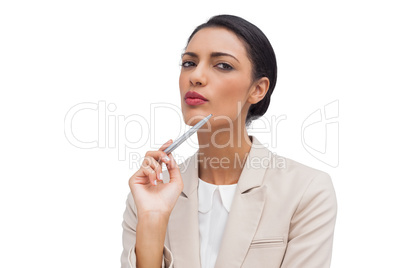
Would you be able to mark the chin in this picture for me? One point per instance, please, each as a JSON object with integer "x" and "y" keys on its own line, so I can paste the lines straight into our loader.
{"x": 193, "y": 116}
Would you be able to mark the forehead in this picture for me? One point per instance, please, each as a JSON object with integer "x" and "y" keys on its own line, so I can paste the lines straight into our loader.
{"x": 217, "y": 39}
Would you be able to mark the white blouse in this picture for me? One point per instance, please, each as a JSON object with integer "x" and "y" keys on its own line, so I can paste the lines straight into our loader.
{"x": 214, "y": 202}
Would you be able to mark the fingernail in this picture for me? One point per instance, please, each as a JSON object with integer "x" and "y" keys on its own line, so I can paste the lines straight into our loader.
{"x": 155, "y": 182}
{"x": 166, "y": 158}
{"x": 161, "y": 177}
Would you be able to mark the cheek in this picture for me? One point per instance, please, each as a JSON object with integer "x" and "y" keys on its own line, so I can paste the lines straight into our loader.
{"x": 182, "y": 84}
{"x": 230, "y": 92}
{"x": 232, "y": 89}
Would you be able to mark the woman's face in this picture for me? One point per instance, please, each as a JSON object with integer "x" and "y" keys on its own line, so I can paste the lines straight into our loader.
{"x": 216, "y": 66}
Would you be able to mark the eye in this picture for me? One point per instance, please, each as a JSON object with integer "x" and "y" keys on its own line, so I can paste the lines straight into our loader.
{"x": 224, "y": 66}
{"x": 186, "y": 64}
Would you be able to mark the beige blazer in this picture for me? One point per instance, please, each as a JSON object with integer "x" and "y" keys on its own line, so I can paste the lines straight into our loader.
{"x": 283, "y": 215}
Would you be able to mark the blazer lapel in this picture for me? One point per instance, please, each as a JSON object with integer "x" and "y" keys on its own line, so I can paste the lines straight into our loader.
{"x": 183, "y": 223}
{"x": 246, "y": 209}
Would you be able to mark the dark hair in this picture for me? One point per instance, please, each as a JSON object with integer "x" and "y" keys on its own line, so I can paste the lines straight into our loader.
{"x": 260, "y": 53}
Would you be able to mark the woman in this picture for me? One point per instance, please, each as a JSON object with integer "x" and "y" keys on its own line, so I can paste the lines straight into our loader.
{"x": 233, "y": 203}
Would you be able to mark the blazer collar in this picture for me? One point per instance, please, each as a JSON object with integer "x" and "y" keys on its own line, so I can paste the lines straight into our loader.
{"x": 247, "y": 207}
{"x": 256, "y": 163}
{"x": 244, "y": 215}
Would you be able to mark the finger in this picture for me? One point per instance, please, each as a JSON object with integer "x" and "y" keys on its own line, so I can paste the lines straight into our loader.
{"x": 167, "y": 144}
{"x": 159, "y": 156}
{"x": 151, "y": 175}
{"x": 150, "y": 162}
{"x": 174, "y": 171}
{"x": 165, "y": 158}
{"x": 144, "y": 175}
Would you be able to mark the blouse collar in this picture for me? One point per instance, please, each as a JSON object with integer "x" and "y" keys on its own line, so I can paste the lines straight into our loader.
{"x": 206, "y": 194}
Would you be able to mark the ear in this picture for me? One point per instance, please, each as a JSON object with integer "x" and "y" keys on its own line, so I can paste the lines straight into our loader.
{"x": 258, "y": 90}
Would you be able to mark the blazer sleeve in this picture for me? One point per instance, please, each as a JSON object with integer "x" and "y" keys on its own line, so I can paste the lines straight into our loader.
{"x": 312, "y": 226}
{"x": 128, "y": 258}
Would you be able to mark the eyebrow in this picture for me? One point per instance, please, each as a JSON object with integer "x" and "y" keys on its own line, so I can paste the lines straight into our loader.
{"x": 213, "y": 55}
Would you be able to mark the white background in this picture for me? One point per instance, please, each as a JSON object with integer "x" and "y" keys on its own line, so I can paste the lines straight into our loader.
{"x": 62, "y": 206}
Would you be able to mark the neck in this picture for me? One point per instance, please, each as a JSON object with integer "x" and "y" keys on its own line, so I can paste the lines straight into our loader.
{"x": 222, "y": 154}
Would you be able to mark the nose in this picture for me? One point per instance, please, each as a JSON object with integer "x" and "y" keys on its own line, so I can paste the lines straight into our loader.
{"x": 198, "y": 76}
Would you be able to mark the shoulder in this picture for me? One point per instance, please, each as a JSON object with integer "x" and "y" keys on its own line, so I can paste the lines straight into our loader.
{"x": 285, "y": 170}
{"x": 293, "y": 181}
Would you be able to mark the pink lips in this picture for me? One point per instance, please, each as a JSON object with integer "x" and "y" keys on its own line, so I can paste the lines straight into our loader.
{"x": 194, "y": 98}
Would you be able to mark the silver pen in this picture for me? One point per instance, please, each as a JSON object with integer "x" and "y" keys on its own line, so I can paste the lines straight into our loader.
{"x": 187, "y": 135}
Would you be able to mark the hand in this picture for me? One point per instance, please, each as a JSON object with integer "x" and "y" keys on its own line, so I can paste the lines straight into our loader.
{"x": 150, "y": 194}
